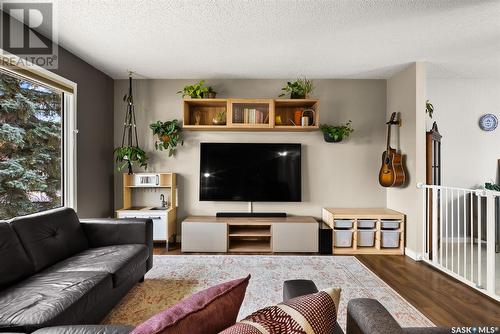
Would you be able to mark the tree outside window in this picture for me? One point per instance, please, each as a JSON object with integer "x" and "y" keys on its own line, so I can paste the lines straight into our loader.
{"x": 30, "y": 147}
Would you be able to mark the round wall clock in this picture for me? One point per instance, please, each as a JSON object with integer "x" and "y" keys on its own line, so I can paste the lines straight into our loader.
{"x": 488, "y": 122}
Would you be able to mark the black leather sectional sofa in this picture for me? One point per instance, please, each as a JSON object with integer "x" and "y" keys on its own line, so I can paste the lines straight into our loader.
{"x": 57, "y": 270}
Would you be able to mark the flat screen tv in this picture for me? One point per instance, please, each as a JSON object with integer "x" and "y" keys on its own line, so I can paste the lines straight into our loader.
{"x": 250, "y": 172}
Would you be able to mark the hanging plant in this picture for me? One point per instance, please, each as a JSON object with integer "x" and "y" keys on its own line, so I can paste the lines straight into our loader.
{"x": 335, "y": 134}
{"x": 429, "y": 108}
{"x": 126, "y": 156}
{"x": 129, "y": 152}
{"x": 169, "y": 135}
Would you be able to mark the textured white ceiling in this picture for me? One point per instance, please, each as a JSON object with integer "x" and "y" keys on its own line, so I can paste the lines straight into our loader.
{"x": 282, "y": 38}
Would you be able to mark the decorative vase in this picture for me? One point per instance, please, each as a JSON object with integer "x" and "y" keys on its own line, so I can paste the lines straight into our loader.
{"x": 209, "y": 95}
{"x": 217, "y": 122}
{"x": 197, "y": 118}
{"x": 330, "y": 139}
{"x": 297, "y": 116}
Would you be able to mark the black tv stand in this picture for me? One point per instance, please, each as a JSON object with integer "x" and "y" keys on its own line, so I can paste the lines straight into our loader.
{"x": 251, "y": 214}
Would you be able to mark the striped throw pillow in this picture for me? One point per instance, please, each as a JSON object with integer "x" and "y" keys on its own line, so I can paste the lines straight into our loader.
{"x": 310, "y": 314}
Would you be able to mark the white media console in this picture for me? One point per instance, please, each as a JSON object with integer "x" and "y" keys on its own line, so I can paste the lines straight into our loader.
{"x": 249, "y": 234}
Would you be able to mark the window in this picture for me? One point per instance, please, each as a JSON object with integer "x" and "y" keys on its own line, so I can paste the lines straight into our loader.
{"x": 36, "y": 146}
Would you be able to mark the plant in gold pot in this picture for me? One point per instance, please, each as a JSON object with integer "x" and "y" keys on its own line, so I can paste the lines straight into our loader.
{"x": 220, "y": 118}
{"x": 169, "y": 135}
{"x": 210, "y": 93}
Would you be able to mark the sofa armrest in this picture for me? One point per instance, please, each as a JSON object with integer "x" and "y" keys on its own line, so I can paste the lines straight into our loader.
{"x": 369, "y": 316}
{"x": 298, "y": 287}
{"x": 108, "y": 232}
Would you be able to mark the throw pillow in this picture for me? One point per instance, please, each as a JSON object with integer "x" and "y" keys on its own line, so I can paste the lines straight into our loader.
{"x": 206, "y": 312}
{"x": 310, "y": 314}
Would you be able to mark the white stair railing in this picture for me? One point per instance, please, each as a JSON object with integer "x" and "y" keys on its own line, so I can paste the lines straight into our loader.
{"x": 461, "y": 235}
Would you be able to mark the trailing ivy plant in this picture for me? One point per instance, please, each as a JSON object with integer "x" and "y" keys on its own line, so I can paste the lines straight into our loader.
{"x": 126, "y": 156}
{"x": 492, "y": 186}
{"x": 338, "y": 133}
{"x": 169, "y": 135}
{"x": 429, "y": 108}
{"x": 299, "y": 89}
{"x": 195, "y": 91}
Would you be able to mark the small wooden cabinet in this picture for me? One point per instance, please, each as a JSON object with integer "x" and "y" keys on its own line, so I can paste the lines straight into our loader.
{"x": 254, "y": 235}
{"x": 164, "y": 218}
{"x": 251, "y": 114}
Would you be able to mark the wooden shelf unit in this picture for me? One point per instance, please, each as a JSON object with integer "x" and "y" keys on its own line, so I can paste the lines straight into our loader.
{"x": 206, "y": 109}
{"x": 244, "y": 237}
{"x": 356, "y": 214}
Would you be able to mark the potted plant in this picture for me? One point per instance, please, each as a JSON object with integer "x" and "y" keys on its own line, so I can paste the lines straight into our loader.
{"x": 220, "y": 118}
{"x": 299, "y": 89}
{"x": 210, "y": 93}
{"x": 335, "y": 134}
{"x": 126, "y": 156}
{"x": 169, "y": 135}
{"x": 195, "y": 91}
{"x": 429, "y": 108}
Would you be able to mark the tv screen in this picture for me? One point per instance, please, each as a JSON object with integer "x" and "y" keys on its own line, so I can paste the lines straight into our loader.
{"x": 250, "y": 172}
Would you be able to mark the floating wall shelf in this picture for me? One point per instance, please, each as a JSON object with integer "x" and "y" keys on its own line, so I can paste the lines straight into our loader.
{"x": 250, "y": 114}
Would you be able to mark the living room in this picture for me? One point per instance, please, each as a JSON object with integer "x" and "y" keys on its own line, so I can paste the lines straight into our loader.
{"x": 340, "y": 153}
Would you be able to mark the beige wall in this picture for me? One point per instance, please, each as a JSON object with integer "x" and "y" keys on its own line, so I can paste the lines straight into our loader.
{"x": 406, "y": 94}
{"x": 343, "y": 175}
{"x": 459, "y": 103}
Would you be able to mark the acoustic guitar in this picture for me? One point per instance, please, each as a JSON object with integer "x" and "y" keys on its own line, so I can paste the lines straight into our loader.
{"x": 392, "y": 172}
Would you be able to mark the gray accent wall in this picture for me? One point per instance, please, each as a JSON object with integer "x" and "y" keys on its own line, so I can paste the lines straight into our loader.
{"x": 333, "y": 175}
{"x": 95, "y": 136}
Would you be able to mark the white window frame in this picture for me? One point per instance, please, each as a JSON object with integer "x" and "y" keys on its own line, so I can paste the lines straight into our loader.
{"x": 69, "y": 151}
{"x": 70, "y": 130}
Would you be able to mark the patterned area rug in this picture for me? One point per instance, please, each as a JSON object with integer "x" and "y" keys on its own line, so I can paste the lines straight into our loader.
{"x": 174, "y": 277}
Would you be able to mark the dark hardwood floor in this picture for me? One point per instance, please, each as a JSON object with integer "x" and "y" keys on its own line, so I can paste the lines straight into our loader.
{"x": 444, "y": 300}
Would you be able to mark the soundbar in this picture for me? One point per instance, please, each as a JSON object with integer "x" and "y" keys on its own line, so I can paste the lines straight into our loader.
{"x": 251, "y": 214}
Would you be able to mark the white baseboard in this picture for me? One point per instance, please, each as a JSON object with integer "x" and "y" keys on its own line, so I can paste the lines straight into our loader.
{"x": 413, "y": 255}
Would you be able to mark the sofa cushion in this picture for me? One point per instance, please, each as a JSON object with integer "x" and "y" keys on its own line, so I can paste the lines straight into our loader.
{"x": 206, "y": 312}
{"x": 86, "y": 329}
{"x": 15, "y": 263}
{"x": 121, "y": 261}
{"x": 314, "y": 313}
{"x": 52, "y": 298}
{"x": 50, "y": 237}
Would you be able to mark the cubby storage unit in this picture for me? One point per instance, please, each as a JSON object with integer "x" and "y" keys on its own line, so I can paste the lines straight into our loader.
{"x": 285, "y": 109}
{"x": 251, "y": 114}
{"x": 198, "y": 113}
{"x": 372, "y": 230}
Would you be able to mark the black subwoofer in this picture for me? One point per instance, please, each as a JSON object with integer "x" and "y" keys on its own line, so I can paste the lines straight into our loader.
{"x": 325, "y": 239}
